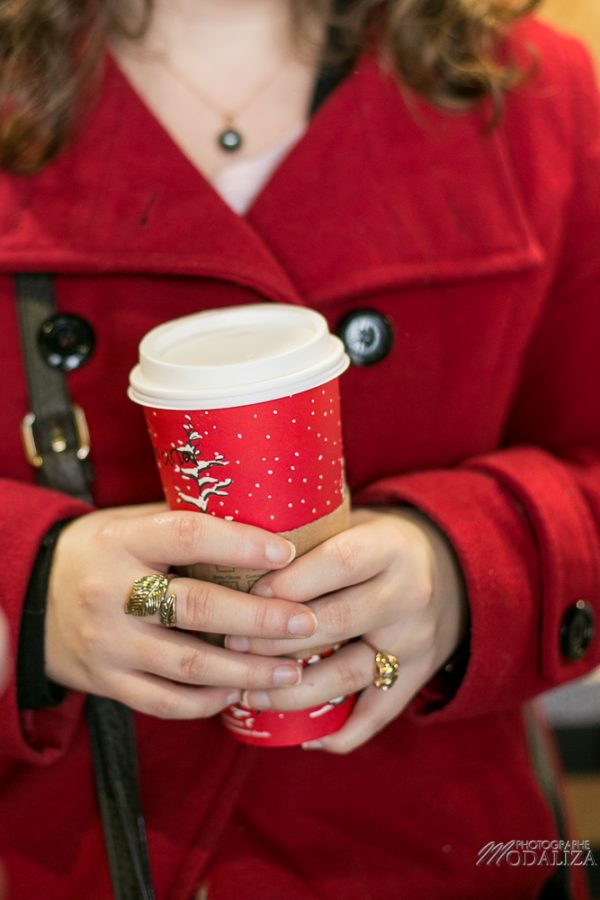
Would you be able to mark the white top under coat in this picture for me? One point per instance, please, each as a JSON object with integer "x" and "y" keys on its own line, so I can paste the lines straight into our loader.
{"x": 241, "y": 181}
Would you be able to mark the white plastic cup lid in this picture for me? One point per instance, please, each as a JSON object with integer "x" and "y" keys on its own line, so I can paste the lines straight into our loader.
{"x": 235, "y": 356}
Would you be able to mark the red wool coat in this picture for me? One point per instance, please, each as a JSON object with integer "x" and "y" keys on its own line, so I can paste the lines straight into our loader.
{"x": 482, "y": 250}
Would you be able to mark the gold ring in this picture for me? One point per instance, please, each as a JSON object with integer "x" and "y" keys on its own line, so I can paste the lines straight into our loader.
{"x": 386, "y": 668}
{"x": 149, "y": 596}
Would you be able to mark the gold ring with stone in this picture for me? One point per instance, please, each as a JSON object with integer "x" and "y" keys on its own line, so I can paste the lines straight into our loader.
{"x": 149, "y": 596}
{"x": 386, "y": 668}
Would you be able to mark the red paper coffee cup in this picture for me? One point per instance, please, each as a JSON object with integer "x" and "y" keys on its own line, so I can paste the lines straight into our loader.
{"x": 243, "y": 411}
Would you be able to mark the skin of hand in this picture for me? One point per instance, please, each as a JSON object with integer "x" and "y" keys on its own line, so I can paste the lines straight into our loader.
{"x": 391, "y": 579}
{"x": 92, "y": 646}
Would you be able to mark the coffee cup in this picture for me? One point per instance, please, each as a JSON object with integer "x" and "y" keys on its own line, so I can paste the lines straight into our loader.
{"x": 243, "y": 411}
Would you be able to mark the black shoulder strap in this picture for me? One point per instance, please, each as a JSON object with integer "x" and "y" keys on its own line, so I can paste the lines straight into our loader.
{"x": 331, "y": 73}
{"x": 114, "y": 752}
{"x": 57, "y": 444}
{"x": 54, "y": 431}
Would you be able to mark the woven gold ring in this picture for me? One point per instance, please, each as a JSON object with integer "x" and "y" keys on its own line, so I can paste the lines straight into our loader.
{"x": 149, "y": 595}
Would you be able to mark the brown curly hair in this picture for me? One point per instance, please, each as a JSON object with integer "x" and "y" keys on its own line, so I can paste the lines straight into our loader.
{"x": 51, "y": 50}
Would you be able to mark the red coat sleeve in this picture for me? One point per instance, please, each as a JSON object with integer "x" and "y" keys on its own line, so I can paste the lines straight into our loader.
{"x": 26, "y": 514}
{"x": 525, "y": 520}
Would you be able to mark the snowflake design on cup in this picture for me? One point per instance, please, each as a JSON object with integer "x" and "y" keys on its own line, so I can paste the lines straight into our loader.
{"x": 195, "y": 470}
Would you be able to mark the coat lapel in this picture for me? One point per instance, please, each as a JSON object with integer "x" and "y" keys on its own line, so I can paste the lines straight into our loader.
{"x": 382, "y": 191}
{"x": 385, "y": 191}
{"x": 125, "y": 199}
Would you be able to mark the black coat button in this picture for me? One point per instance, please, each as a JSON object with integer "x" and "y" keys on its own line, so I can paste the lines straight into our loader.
{"x": 367, "y": 336}
{"x": 66, "y": 341}
{"x": 577, "y": 630}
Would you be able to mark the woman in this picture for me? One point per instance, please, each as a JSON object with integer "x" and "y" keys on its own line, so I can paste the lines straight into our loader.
{"x": 440, "y": 206}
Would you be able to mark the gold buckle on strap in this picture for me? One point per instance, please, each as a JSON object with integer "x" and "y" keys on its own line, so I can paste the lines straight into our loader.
{"x": 58, "y": 441}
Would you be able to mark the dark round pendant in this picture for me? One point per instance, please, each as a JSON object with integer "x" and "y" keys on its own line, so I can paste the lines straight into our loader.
{"x": 230, "y": 139}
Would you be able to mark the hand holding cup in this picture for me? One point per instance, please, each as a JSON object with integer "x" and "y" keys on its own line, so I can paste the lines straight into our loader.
{"x": 389, "y": 583}
{"x": 92, "y": 646}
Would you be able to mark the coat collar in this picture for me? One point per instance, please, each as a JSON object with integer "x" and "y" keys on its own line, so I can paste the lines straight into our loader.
{"x": 394, "y": 191}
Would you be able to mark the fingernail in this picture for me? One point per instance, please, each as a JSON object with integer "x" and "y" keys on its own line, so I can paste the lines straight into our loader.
{"x": 302, "y": 625}
{"x": 235, "y": 642}
{"x": 233, "y": 698}
{"x": 287, "y": 675}
{"x": 258, "y": 700}
{"x": 312, "y": 745}
{"x": 280, "y": 551}
{"x": 262, "y": 590}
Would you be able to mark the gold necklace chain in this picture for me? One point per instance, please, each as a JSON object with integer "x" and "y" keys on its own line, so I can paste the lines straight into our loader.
{"x": 229, "y": 138}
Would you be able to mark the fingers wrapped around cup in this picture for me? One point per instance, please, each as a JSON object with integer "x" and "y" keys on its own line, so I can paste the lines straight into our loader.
{"x": 350, "y": 670}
